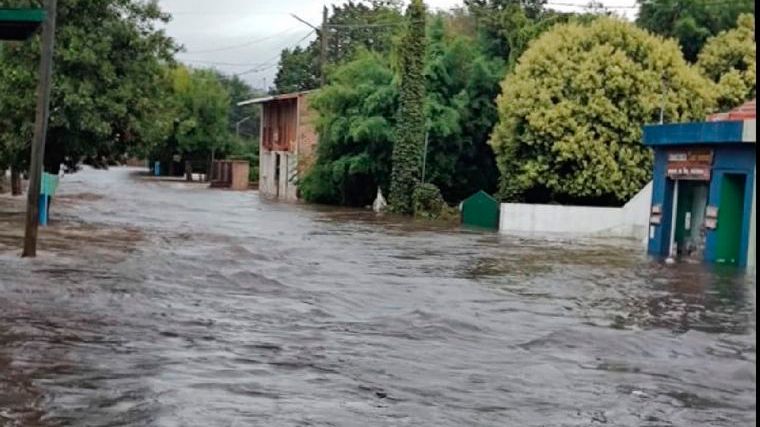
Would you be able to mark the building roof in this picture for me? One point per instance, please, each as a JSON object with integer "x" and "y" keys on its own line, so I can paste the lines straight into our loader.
{"x": 19, "y": 24}
{"x": 746, "y": 111}
{"x": 735, "y": 126}
{"x": 273, "y": 98}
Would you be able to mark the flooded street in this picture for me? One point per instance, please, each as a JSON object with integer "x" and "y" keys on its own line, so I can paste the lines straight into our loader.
{"x": 169, "y": 304}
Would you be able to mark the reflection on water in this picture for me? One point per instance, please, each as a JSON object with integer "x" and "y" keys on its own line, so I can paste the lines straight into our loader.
{"x": 165, "y": 303}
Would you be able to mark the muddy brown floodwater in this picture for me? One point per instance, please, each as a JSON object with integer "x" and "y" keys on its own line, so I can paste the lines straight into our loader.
{"x": 169, "y": 304}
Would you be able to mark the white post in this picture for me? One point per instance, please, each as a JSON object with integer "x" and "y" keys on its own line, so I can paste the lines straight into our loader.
{"x": 674, "y": 217}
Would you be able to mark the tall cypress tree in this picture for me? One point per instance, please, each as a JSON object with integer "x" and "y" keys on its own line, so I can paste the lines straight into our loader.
{"x": 407, "y": 151}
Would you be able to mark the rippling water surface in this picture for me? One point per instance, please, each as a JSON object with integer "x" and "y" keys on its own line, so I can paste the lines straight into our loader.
{"x": 169, "y": 304}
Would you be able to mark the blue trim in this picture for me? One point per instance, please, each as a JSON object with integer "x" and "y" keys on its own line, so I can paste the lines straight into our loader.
{"x": 694, "y": 133}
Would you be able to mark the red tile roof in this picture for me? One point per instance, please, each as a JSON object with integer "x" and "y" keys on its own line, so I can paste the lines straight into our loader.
{"x": 744, "y": 112}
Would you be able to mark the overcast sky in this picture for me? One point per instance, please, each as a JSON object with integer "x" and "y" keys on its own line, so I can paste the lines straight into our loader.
{"x": 244, "y": 36}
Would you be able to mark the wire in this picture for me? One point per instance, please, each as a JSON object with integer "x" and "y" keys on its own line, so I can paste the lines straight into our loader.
{"x": 268, "y": 63}
{"x": 243, "y": 44}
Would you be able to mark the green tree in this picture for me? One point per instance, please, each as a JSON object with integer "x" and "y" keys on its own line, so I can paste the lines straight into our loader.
{"x": 411, "y": 126}
{"x": 729, "y": 59}
{"x": 201, "y": 110}
{"x": 571, "y": 114}
{"x": 358, "y": 111}
{"x": 107, "y": 94}
{"x": 357, "y": 115}
{"x": 691, "y": 22}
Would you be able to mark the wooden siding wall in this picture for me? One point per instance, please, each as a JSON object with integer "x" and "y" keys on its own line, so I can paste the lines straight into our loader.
{"x": 280, "y": 119}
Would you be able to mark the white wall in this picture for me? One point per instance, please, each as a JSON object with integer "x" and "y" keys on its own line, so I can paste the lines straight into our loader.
{"x": 629, "y": 221}
{"x": 751, "y": 252}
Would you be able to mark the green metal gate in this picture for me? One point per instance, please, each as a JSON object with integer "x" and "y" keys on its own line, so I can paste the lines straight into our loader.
{"x": 481, "y": 210}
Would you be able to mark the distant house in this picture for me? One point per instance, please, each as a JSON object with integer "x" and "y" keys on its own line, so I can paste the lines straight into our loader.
{"x": 287, "y": 141}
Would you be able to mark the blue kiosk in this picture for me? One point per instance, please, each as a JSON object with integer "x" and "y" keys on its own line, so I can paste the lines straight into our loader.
{"x": 703, "y": 195}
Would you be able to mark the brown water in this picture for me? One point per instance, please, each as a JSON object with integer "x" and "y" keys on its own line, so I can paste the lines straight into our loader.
{"x": 169, "y": 304}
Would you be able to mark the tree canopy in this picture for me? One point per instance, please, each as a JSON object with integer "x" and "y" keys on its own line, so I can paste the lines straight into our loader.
{"x": 691, "y": 22}
{"x": 107, "y": 87}
{"x": 729, "y": 59}
{"x": 571, "y": 114}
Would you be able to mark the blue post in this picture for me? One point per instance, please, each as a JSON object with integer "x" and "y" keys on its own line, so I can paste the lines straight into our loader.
{"x": 157, "y": 168}
{"x": 43, "y": 209}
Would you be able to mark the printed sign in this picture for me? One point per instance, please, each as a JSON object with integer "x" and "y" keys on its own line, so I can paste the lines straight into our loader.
{"x": 690, "y": 165}
{"x": 711, "y": 212}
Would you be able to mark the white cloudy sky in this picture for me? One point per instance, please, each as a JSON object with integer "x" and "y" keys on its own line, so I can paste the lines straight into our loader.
{"x": 238, "y": 36}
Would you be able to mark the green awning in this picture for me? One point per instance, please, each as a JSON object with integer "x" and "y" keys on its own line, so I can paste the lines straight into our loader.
{"x": 20, "y": 24}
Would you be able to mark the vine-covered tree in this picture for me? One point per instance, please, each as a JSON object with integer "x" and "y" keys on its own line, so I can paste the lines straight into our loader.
{"x": 730, "y": 60}
{"x": 411, "y": 126}
{"x": 570, "y": 116}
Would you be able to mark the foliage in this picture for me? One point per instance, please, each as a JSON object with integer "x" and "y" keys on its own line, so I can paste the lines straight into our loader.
{"x": 571, "y": 114}
{"x": 298, "y": 70}
{"x": 358, "y": 111}
{"x": 355, "y": 125}
{"x": 201, "y": 111}
{"x": 505, "y": 27}
{"x": 729, "y": 59}
{"x": 107, "y": 95}
{"x": 411, "y": 126}
{"x": 353, "y": 26}
{"x": 691, "y": 22}
{"x": 427, "y": 201}
{"x": 462, "y": 83}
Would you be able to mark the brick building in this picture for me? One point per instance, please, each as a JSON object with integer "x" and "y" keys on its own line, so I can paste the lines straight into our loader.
{"x": 287, "y": 141}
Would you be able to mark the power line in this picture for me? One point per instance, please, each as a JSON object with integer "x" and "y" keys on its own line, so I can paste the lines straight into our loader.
{"x": 269, "y": 63}
{"x": 243, "y": 44}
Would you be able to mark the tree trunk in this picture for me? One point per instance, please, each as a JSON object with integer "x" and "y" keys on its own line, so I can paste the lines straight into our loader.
{"x": 15, "y": 181}
{"x": 188, "y": 171}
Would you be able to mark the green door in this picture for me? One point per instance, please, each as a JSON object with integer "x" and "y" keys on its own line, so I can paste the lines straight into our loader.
{"x": 730, "y": 218}
{"x": 683, "y": 214}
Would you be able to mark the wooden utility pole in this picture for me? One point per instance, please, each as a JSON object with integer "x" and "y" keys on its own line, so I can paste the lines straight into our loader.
{"x": 40, "y": 130}
{"x": 324, "y": 34}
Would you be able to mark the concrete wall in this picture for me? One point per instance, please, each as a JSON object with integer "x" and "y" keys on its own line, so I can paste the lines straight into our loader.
{"x": 284, "y": 188}
{"x": 629, "y": 221}
{"x": 752, "y": 250}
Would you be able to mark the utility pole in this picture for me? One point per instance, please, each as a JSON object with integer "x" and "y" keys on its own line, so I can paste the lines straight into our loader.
{"x": 40, "y": 130}
{"x": 424, "y": 156}
{"x": 323, "y": 34}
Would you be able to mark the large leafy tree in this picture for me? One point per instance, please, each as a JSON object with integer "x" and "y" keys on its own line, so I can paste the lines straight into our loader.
{"x": 107, "y": 94}
{"x": 411, "y": 126}
{"x": 201, "y": 110}
{"x": 357, "y": 115}
{"x": 730, "y": 60}
{"x": 691, "y": 22}
{"x": 571, "y": 114}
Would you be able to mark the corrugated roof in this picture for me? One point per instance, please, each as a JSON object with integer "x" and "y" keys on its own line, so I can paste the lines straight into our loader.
{"x": 273, "y": 98}
{"x": 746, "y": 111}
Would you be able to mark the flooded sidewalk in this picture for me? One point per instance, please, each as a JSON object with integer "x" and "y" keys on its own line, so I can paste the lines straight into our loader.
{"x": 170, "y": 304}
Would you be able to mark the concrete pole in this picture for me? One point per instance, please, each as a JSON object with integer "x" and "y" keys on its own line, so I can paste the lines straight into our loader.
{"x": 323, "y": 47}
{"x": 40, "y": 130}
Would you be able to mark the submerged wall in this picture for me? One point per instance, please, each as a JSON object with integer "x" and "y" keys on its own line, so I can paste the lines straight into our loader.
{"x": 629, "y": 221}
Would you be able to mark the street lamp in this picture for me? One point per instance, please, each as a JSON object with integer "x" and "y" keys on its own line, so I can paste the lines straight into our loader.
{"x": 240, "y": 122}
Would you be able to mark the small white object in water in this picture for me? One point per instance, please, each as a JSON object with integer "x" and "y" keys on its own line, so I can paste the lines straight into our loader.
{"x": 379, "y": 204}
{"x": 670, "y": 260}
{"x": 639, "y": 393}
